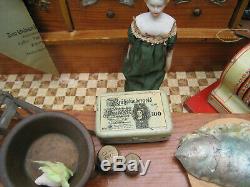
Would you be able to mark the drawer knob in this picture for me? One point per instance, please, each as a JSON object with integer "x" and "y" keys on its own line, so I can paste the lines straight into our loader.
{"x": 197, "y": 12}
{"x": 110, "y": 14}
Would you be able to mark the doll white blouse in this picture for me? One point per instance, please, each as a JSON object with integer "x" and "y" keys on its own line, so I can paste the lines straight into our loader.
{"x": 154, "y": 26}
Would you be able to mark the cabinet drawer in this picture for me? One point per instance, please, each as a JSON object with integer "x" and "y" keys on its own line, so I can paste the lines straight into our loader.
{"x": 105, "y": 14}
{"x": 47, "y": 20}
{"x": 202, "y": 13}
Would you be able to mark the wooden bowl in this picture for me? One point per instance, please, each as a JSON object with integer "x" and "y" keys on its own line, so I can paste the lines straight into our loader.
{"x": 48, "y": 136}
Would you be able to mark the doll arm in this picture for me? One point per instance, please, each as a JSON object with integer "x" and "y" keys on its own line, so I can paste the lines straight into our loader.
{"x": 169, "y": 59}
{"x": 129, "y": 47}
{"x": 170, "y": 50}
{"x": 131, "y": 40}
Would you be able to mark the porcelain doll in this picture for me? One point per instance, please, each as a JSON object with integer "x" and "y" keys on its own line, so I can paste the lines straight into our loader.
{"x": 151, "y": 39}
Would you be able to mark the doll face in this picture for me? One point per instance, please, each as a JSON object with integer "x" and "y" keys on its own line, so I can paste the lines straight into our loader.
{"x": 156, "y": 6}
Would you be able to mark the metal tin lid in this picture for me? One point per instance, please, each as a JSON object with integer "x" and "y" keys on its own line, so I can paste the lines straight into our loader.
{"x": 131, "y": 117}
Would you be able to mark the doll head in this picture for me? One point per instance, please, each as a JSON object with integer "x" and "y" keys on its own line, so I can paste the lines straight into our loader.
{"x": 156, "y": 6}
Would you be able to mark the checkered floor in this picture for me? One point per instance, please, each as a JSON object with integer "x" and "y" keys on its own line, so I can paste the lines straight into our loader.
{"x": 79, "y": 91}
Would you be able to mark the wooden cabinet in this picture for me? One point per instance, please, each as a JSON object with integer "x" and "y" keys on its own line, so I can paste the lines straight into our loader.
{"x": 202, "y": 13}
{"x": 105, "y": 14}
{"x": 54, "y": 17}
{"x": 99, "y": 40}
{"x": 66, "y": 15}
{"x": 110, "y": 14}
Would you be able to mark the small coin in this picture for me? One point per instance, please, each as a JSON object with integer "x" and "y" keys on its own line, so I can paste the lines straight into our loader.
{"x": 132, "y": 164}
{"x": 107, "y": 153}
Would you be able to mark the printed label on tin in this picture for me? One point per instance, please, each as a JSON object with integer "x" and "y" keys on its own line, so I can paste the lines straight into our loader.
{"x": 132, "y": 111}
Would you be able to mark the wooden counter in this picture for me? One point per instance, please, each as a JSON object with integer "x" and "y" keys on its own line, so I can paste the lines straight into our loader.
{"x": 97, "y": 51}
{"x": 164, "y": 169}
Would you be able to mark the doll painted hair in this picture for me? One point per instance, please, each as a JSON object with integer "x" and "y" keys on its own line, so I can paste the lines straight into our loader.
{"x": 156, "y": 6}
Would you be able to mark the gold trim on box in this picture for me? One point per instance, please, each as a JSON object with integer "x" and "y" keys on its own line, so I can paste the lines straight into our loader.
{"x": 242, "y": 80}
{"x": 246, "y": 98}
{"x": 244, "y": 87}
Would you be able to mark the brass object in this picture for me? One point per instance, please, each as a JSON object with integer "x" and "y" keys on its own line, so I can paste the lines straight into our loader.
{"x": 218, "y": 2}
{"x": 135, "y": 157}
{"x": 110, "y": 14}
{"x": 182, "y": 1}
{"x": 197, "y": 12}
{"x": 107, "y": 153}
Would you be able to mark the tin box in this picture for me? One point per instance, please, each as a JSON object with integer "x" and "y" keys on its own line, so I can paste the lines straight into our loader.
{"x": 133, "y": 117}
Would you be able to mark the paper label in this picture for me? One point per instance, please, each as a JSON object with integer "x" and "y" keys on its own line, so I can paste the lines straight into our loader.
{"x": 20, "y": 39}
{"x": 132, "y": 111}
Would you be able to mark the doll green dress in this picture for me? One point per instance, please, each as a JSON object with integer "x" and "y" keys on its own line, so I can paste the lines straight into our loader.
{"x": 144, "y": 66}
